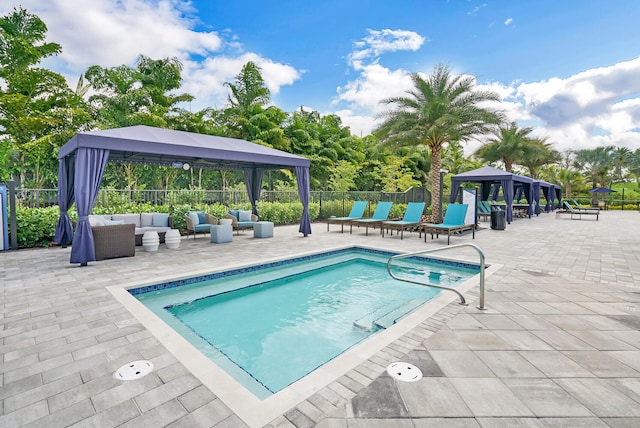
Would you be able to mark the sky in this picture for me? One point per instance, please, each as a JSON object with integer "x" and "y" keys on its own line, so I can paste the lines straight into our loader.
{"x": 570, "y": 69}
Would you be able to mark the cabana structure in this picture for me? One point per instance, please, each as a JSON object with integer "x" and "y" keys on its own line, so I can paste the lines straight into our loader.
{"x": 84, "y": 157}
{"x": 489, "y": 176}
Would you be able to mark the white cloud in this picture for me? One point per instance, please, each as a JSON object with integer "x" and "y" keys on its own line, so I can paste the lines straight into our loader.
{"x": 508, "y": 22}
{"x": 597, "y": 107}
{"x": 111, "y": 33}
{"x": 381, "y": 41}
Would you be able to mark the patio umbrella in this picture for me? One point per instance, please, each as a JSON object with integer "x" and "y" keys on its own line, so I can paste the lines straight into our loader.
{"x": 601, "y": 190}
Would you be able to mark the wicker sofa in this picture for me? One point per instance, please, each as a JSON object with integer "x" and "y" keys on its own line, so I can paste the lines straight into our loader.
{"x": 114, "y": 241}
{"x": 142, "y": 223}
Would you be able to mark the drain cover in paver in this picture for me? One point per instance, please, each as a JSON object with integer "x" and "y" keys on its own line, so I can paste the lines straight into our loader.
{"x": 134, "y": 370}
{"x": 404, "y": 371}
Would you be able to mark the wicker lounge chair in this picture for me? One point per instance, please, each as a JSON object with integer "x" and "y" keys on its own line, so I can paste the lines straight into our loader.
{"x": 357, "y": 212}
{"x": 411, "y": 219}
{"x": 200, "y": 226}
{"x": 452, "y": 223}
{"x": 380, "y": 214}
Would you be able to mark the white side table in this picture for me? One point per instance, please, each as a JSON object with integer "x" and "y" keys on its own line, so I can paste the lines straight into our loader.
{"x": 172, "y": 239}
{"x": 150, "y": 240}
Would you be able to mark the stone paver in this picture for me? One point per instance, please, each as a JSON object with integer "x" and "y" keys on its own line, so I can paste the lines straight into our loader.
{"x": 559, "y": 344}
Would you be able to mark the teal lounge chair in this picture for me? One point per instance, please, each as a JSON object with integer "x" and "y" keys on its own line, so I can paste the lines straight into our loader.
{"x": 411, "y": 219}
{"x": 379, "y": 215}
{"x": 357, "y": 211}
{"x": 484, "y": 210}
{"x": 577, "y": 206}
{"x": 453, "y": 222}
{"x": 575, "y": 212}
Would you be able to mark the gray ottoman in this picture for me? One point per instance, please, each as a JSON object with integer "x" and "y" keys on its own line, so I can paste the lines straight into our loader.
{"x": 221, "y": 233}
{"x": 263, "y": 229}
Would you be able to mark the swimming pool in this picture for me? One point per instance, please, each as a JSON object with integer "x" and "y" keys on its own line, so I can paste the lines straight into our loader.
{"x": 305, "y": 311}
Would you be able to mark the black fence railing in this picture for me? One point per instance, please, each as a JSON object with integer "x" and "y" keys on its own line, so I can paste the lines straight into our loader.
{"x": 108, "y": 198}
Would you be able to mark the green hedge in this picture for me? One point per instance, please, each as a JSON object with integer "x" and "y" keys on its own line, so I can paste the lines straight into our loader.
{"x": 36, "y": 226}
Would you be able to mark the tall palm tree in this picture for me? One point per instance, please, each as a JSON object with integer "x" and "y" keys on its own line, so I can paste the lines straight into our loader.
{"x": 595, "y": 163}
{"x": 507, "y": 147}
{"x": 537, "y": 153}
{"x": 439, "y": 109}
{"x": 621, "y": 158}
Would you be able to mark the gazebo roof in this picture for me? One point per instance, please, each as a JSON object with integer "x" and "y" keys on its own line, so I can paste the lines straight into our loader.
{"x": 158, "y": 146}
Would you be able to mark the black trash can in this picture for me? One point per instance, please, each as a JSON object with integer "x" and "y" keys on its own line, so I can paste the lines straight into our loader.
{"x": 498, "y": 217}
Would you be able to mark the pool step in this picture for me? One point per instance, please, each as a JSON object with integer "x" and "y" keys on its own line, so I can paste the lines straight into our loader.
{"x": 366, "y": 323}
{"x": 390, "y": 318}
{"x": 383, "y": 318}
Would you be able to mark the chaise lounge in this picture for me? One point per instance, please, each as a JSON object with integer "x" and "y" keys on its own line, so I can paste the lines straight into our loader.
{"x": 411, "y": 219}
{"x": 380, "y": 214}
{"x": 452, "y": 223}
{"x": 357, "y": 212}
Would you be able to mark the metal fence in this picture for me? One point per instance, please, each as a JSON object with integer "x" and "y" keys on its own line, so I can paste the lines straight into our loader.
{"x": 107, "y": 198}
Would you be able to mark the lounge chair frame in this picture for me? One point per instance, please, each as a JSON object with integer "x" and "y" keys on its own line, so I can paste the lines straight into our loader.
{"x": 375, "y": 220}
{"x": 574, "y": 212}
{"x": 448, "y": 226}
{"x": 405, "y": 224}
{"x": 357, "y": 212}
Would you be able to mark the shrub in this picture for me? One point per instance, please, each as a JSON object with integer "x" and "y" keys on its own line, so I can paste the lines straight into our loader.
{"x": 36, "y": 227}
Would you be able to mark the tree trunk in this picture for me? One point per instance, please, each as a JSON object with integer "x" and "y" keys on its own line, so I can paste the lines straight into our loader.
{"x": 436, "y": 165}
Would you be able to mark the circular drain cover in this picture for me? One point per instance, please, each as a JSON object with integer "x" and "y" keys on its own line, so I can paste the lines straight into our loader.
{"x": 134, "y": 370}
{"x": 404, "y": 371}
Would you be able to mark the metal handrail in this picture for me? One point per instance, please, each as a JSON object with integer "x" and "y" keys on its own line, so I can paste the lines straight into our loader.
{"x": 433, "y": 250}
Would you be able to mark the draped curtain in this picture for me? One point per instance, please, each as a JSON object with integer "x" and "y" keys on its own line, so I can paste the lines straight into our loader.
{"x": 302, "y": 175}
{"x": 66, "y": 196}
{"x": 253, "y": 183}
{"x": 89, "y": 168}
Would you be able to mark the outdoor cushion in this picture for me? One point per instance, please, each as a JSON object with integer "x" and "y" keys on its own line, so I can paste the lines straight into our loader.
{"x": 112, "y": 222}
{"x": 96, "y": 220}
{"x": 235, "y": 213}
{"x": 146, "y": 219}
{"x": 128, "y": 218}
{"x": 201, "y": 217}
{"x": 244, "y": 216}
{"x": 161, "y": 220}
{"x": 194, "y": 218}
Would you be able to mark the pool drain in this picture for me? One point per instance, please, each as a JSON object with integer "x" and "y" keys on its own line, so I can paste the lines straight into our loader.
{"x": 404, "y": 371}
{"x": 134, "y": 370}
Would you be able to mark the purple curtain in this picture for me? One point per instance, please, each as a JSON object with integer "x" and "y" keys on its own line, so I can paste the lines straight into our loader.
{"x": 547, "y": 195}
{"x": 507, "y": 191}
{"x": 536, "y": 196}
{"x": 302, "y": 174}
{"x": 66, "y": 196}
{"x": 253, "y": 183}
{"x": 455, "y": 186}
{"x": 90, "y": 164}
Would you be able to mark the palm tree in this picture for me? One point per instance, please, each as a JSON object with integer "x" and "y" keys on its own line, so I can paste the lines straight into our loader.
{"x": 596, "y": 163}
{"x": 508, "y": 147}
{"x": 439, "y": 109}
{"x": 621, "y": 157}
{"x": 537, "y": 152}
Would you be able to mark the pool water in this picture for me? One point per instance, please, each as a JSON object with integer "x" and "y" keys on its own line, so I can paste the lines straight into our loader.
{"x": 272, "y": 327}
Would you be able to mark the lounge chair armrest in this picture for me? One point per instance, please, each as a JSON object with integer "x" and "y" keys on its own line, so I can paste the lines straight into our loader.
{"x": 211, "y": 219}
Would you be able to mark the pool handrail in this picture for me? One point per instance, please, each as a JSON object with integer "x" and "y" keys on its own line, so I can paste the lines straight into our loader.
{"x": 433, "y": 250}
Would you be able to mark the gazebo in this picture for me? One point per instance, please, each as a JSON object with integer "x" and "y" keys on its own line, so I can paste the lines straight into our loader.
{"x": 489, "y": 176}
{"x": 84, "y": 157}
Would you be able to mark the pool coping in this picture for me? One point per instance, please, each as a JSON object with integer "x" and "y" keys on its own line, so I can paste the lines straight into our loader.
{"x": 252, "y": 410}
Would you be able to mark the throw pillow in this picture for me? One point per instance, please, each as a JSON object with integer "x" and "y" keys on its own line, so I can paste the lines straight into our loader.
{"x": 234, "y": 213}
{"x": 194, "y": 218}
{"x": 160, "y": 220}
{"x": 96, "y": 220}
{"x": 202, "y": 219}
{"x": 244, "y": 216}
{"x": 112, "y": 222}
{"x": 146, "y": 219}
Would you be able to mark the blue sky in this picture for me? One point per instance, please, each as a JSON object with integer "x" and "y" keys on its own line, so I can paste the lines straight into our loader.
{"x": 570, "y": 68}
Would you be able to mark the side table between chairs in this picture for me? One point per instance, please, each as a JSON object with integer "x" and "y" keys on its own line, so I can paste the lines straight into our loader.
{"x": 221, "y": 233}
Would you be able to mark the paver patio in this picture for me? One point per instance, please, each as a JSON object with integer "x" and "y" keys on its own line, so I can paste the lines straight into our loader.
{"x": 559, "y": 345}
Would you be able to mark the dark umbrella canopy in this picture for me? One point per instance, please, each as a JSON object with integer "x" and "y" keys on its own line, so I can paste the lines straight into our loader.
{"x": 601, "y": 190}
